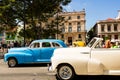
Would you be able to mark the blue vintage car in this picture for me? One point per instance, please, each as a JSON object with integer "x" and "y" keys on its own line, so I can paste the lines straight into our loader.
{"x": 39, "y": 51}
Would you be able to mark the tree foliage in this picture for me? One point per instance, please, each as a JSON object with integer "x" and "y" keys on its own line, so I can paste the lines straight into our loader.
{"x": 7, "y": 16}
{"x": 32, "y": 12}
{"x": 51, "y": 28}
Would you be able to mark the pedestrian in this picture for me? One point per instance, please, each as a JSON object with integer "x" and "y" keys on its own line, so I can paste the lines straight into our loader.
{"x": 8, "y": 45}
{"x": 11, "y": 44}
{"x": 107, "y": 42}
{"x": 3, "y": 46}
{"x": 15, "y": 44}
{"x": 0, "y": 46}
{"x": 114, "y": 44}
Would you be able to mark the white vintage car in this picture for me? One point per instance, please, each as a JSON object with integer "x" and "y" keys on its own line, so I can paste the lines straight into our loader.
{"x": 89, "y": 60}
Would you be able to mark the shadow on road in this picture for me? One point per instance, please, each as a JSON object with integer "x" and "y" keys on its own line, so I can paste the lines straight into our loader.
{"x": 105, "y": 77}
{"x": 33, "y": 65}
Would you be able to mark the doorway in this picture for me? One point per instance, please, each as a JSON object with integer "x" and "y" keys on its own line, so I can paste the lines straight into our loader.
{"x": 70, "y": 40}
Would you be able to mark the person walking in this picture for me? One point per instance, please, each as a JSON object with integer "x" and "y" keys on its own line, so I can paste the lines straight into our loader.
{"x": 107, "y": 43}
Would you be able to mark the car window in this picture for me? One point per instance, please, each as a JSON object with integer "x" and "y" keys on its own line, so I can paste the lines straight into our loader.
{"x": 99, "y": 45}
{"x": 46, "y": 44}
{"x": 55, "y": 44}
{"x": 35, "y": 45}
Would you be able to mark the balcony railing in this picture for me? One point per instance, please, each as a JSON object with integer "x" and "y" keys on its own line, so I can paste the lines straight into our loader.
{"x": 74, "y": 31}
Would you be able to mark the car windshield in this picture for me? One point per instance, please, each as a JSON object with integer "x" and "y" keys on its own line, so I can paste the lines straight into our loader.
{"x": 90, "y": 44}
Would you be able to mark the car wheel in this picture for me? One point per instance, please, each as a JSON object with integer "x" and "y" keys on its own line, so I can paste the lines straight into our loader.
{"x": 65, "y": 72}
{"x": 12, "y": 62}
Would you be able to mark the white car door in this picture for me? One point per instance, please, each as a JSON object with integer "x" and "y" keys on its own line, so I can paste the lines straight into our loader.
{"x": 110, "y": 58}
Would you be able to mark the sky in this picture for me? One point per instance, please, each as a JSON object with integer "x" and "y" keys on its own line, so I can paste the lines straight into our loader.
{"x": 95, "y": 10}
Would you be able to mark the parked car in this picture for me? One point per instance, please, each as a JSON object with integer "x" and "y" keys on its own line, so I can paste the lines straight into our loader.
{"x": 39, "y": 51}
{"x": 79, "y": 44}
{"x": 90, "y": 60}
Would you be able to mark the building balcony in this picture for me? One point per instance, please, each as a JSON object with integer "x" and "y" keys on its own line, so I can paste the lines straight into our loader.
{"x": 75, "y": 20}
{"x": 74, "y": 31}
{"x": 110, "y": 32}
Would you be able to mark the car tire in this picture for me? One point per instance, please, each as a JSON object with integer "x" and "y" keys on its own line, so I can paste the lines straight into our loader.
{"x": 65, "y": 72}
{"x": 12, "y": 62}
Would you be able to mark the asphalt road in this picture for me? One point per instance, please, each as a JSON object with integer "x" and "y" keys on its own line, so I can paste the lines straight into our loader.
{"x": 39, "y": 72}
{"x": 25, "y": 72}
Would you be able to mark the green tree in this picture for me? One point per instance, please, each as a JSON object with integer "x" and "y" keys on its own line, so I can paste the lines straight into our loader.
{"x": 7, "y": 18}
{"x": 32, "y": 12}
{"x": 51, "y": 27}
{"x": 43, "y": 12}
{"x": 29, "y": 33}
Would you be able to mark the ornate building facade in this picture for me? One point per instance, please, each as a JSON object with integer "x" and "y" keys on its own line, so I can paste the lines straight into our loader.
{"x": 73, "y": 28}
{"x": 108, "y": 28}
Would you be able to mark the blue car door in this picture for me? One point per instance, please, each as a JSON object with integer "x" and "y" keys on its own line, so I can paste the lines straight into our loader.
{"x": 46, "y": 52}
{"x": 35, "y": 52}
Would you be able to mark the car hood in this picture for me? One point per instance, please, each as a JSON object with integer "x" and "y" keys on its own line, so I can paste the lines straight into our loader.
{"x": 18, "y": 49}
{"x": 72, "y": 50}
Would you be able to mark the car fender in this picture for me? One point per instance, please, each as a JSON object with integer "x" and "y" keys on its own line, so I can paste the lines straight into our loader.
{"x": 95, "y": 67}
{"x": 19, "y": 56}
{"x": 79, "y": 64}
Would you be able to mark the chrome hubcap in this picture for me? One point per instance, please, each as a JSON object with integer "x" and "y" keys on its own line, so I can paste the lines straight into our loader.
{"x": 65, "y": 72}
{"x": 12, "y": 62}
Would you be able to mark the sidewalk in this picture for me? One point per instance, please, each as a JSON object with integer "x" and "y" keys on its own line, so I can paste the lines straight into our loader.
{"x": 1, "y": 55}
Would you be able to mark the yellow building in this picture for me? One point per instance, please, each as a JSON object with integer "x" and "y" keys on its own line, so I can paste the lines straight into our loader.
{"x": 74, "y": 27}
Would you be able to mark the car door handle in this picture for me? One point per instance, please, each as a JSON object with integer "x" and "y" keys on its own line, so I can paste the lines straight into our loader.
{"x": 85, "y": 52}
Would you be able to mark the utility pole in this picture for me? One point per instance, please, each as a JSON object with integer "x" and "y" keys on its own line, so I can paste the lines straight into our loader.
{"x": 24, "y": 21}
{"x": 57, "y": 26}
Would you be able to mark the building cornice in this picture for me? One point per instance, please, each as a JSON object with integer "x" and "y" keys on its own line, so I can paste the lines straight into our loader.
{"x": 108, "y": 21}
{"x": 72, "y": 13}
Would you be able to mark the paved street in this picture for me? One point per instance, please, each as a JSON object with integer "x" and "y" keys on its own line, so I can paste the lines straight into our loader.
{"x": 38, "y": 72}
{"x": 24, "y": 72}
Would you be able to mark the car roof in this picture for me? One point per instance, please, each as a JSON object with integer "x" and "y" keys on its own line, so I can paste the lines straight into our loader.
{"x": 47, "y": 40}
{"x": 51, "y": 40}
